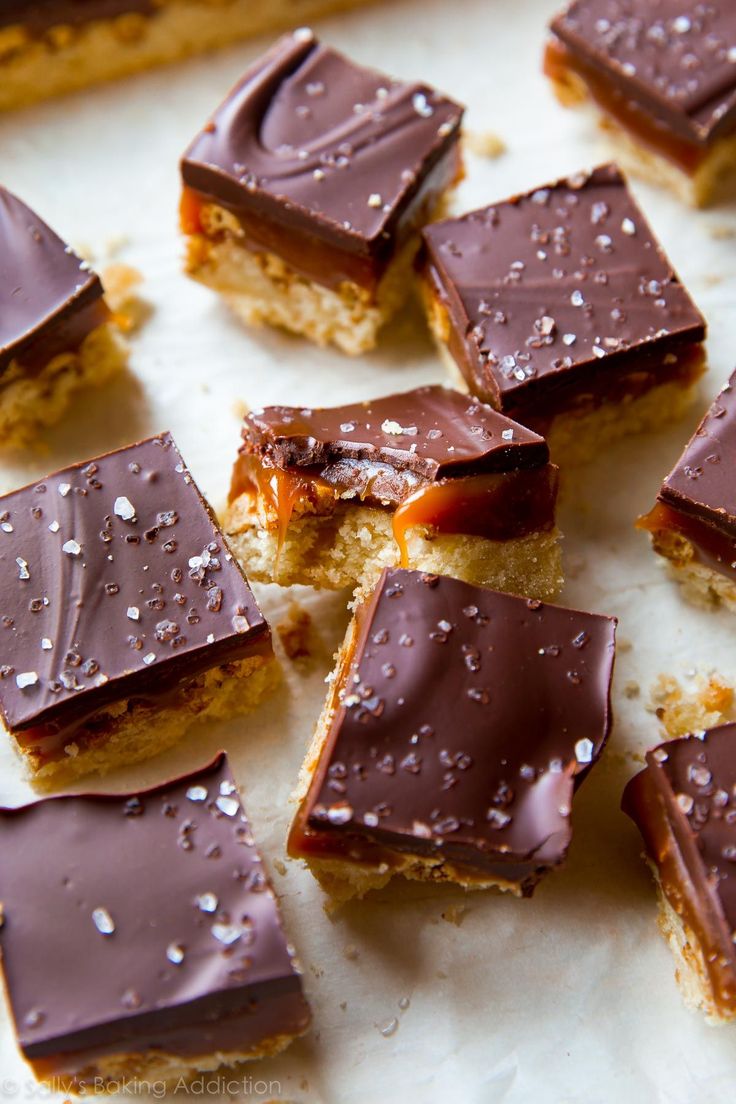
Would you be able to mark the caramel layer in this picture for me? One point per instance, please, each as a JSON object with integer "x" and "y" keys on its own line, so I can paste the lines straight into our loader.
{"x": 712, "y": 547}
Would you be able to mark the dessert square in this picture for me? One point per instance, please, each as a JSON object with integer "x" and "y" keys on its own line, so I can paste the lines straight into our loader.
{"x": 560, "y": 308}
{"x": 431, "y": 761}
{"x": 123, "y": 615}
{"x": 660, "y": 76}
{"x": 50, "y": 47}
{"x": 57, "y": 335}
{"x": 304, "y": 194}
{"x": 684, "y": 805}
{"x": 429, "y": 479}
{"x": 693, "y": 523}
{"x": 166, "y": 955}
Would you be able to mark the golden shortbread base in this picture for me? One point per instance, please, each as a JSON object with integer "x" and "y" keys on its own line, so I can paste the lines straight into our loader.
{"x": 699, "y": 583}
{"x": 72, "y": 57}
{"x": 712, "y": 182}
{"x": 30, "y": 402}
{"x": 352, "y": 544}
{"x": 134, "y": 731}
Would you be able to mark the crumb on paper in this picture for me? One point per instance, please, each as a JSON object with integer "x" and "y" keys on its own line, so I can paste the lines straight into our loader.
{"x": 294, "y": 632}
{"x": 350, "y": 952}
{"x": 632, "y": 689}
{"x": 121, "y": 283}
{"x": 623, "y": 644}
{"x": 115, "y": 244}
{"x": 680, "y": 711}
{"x": 485, "y": 143}
{"x": 722, "y": 233}
{"x": 343, "y": 1005}
{"x": 455, "y": 914}
{"x": 240, "y": 409}
{"x": 280, "y": 867}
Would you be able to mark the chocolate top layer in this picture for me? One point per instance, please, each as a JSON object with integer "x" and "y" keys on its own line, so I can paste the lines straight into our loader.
{"x": 433, "y": 738}
{"x": 548, "y": 288}
{"x": 38, "y": 16}
{"x": 45, "y": 289}
{"x": 320, "y": 144}
{"x": 126, "y": 917}
{"x": 114, "y": 581}
{"x": 392, "y": 445}
{"x": 676, "y": 59}
{"x": 701, "y": 482}
{"x": 694, "y": 780}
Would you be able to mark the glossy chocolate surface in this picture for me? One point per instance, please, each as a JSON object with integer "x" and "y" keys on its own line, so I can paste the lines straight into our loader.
{"x": 49, "y": 298}
{"x": 701, "y": 484}
{"x": 551, "y": 292}
{"x": 684, "y": 803}
{"x": 382, "y": 450}
{"x": 466, "y": 719}
{"x": 136, "y": 918}
{"x": 322, "y": 147}
{"x": 38, "y": 16}
{"x": 116, "y": 583}
{"x": 676, "y": 60}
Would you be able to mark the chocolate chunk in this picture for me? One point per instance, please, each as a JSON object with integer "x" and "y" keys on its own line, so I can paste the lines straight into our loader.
{"x": 551, "y": 292}
{"x": 119, "y": 938}
{"x": 677, "y": 61}
{"x": 107, "y": 575}
{"x": 318, "y": 146}
{"x": 466, "y": 719}
{"x": 49, "y": 298}
{"x": 684, "y": 805}
{"x": 385, "y": 448}
{"x": 701, "y": 483}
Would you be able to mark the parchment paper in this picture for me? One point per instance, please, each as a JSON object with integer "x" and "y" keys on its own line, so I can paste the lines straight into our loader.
{"x": 568, "y": 997}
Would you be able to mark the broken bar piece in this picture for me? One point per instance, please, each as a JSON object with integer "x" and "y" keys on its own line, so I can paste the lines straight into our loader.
{"x": 660, "y": 77}
{"x": 141, "y": 938}
{"x": 693, "y": 523}
{"x": 684, "y": 804}
{"x": 123, "y": 615}
{"x": 48, "y": 47}
{"x": 58, "y": 337}
{"x": 458, "y": 725}
{"x": 560, "y": 308}
{"x": 431, "y": 479}
{"x": 304, "y": 194}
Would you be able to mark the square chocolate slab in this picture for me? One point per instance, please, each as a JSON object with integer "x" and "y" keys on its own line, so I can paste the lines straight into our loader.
{"x": 558, "y": 305}
{"x": 459, "y": 724}
{"x": 684, "y": 804}
{"x": 141, "y": 937}
{"x": 123, "y": 615}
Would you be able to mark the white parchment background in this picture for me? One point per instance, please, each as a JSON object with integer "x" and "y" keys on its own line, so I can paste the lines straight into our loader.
{"x": 568, "y": 997}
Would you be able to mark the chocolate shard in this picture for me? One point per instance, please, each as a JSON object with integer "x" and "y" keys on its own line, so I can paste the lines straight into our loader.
{"x": 387, "y": 447}
{"x": 558, "y": 293}
{"x": 123, "y": 935}
{"x": 314, "y": 144}
{"x": 701, "y": 483}
{"x": 432, "y": 750}
{"x": 115, "y": 582}
{"x": 676, "y": 61}
{"x": 49, "y": 298}
{"x": 684, "y": 805}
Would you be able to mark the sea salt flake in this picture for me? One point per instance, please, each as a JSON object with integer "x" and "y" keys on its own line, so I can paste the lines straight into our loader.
{"x": 133, "y": 613}
{"x": 226, "y": 933}
{"x": 124, "y": 508}
{"x": 71, "y": 547}
{"x": 228, "y": 805}
{"x": 584, "y": 750}
{"x": 175, "y": 953}
{"x": 26, "y": 679}
{"x": 23, "y": 572}
{"x": 206, "y": 902}
{"x": 197, "y": 793}
{"x": 103, "y": 921}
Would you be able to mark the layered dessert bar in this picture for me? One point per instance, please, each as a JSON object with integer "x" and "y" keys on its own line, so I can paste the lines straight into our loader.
{"x": 58, "y": 337}
{"x": 684, "y": 804}
{"x": 48, "y": 47}
{"x": 141, "y": 938}
{"x": 560, "y": 308}
{"x": 693, "y": 523}
{"x": 458, "y": 725}
{"x": 304, "y": 194}
{"x": 123, "y": 615}
{"x": 429, "y": 479}
{"x": 660, "y": 77}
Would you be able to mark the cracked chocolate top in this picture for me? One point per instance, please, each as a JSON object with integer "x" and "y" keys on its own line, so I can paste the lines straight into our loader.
{"x": 49, "y": 298}
{"x": 675, "y": 59}
{"x": 142, "y": 919}
{"x": 701, "y": 482}
{"x": 550, "y": 288}
{"x": 115, "y": 582}
{"x": 320, "y": 144}
{"x": 465, "y": 721}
